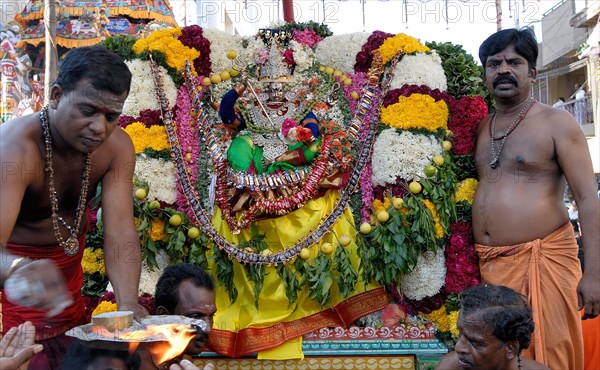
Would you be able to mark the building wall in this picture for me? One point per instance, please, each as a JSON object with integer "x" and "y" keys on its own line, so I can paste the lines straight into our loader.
{"x": 556, "y": 27}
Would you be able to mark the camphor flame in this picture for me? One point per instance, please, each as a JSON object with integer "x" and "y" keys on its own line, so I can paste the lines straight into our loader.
{"x": 169, "y": 340}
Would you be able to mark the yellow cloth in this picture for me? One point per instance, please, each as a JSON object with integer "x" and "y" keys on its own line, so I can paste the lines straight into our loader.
{"x": 241, "y": 328}
{"x": 547, "y": 272}
{"x": 287, "y": 351}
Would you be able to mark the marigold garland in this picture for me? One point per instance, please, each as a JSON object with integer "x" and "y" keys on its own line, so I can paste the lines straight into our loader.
{"x": 439, "y": 230}
{"x": 400, "y": 43}
{"x": 157, "y": 231}
{"x": 466, "y": 190}
{"x": 93, "y": 261}
{"x": 440, "y": 318}
{"x": 166, "y": 42}
{"x": 154, "y": 137}
{"x": 417, "y": 111}
{"x": 379, "y": 206}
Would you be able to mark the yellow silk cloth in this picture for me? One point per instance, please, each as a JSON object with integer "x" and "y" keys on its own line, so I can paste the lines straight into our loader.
{"x": 241, "y": 328}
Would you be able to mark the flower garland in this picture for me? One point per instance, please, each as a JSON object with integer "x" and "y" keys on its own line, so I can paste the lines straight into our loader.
{"x": 138, "y": 99}
{"x": 403, "y": 155}
{"x": 407, "y": 90}
{"x": 400, "y": 43}
{"x": 462, "y": 262}
{"x": 467, "y": 112}
{"x": 364, "y": 58}
{"x": 339, "y": 51}
{"x": 306, "y": 37}
{"x": 166, "y": 41}
{"x": 192, "y": 37}
{"x": 154, "y": 137}
{"x": 417, "y": 111}
{"x": 427, "y": 278}
{"x": 420, "y": 69}
{"x": 160, "y": 176}
{"x": 303, "y": 57}
{"x": 220, "y": 43}
{"x": 466, "y": 190}
{"x": 148, "y": 117}
{"x": 103, "y": 307}
{"x": 439, "y": 230}
{"x": 445, "y": 321}
{"x": 157, "y": 230}
{"x": 93, "y": 261}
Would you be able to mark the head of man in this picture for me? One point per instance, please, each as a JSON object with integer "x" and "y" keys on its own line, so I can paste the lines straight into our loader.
{"x": 509, "y": 60}
{"x": 88, "y": 96}
{"x": 187, "y": 290}
{"x": 495, "y": 325}
{"x": 80, "y": 356}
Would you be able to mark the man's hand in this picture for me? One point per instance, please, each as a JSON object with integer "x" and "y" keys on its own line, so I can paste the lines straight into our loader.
{"x": 139, "y": 312}
{"x": 17, "y": 347}
{"x": 38, "y": 284}
{"x": 588, "y": 296}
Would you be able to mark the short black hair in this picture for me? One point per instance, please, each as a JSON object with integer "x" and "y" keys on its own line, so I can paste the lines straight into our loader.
{"x": 105, "y": 70}
{"x": 167, "y": 286}
{"x": 523, "y": 40}
{"x": 504, "y": 309}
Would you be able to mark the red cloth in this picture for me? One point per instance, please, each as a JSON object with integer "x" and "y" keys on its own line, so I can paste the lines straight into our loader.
{"x": 72, "y": 316}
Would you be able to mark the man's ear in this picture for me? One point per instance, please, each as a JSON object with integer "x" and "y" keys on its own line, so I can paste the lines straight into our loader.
{"x": 160, "y": 310}
{"x": 533, "y": 74}
{"x": 512, "y": 349}
{"x": 56, "y": 93}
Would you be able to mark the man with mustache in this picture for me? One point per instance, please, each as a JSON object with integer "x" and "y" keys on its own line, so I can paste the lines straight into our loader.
{"x": 526, "y": 152}
{"x": 495, "y": 326}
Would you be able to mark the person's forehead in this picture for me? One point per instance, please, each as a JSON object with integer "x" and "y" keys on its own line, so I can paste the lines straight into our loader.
{"x": 197, "y": 297}
{"x": 86, "y": 92}
{"x": 508, "y": 52}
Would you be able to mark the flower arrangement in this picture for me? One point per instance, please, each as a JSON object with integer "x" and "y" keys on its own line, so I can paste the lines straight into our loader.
{"x": 93, "y": 261}
{"x": 103, "y": 307}
{"x": 153, "y": 137}
{"x": 166, "y": 41}
{"x": 467, "y": 112}
{"x": 364, "y": 58}
{"x": 160, "y": 176}
{"x": 339, "y": 51}
{"x": 420, "y": 69}
{"x": 466, "y": 190}
{"x": 139, "y": 98}
{"x": 400, "y": 43}
{"x": 306, "y": 37}
{"x": 427, "y": 278}
{"x": 192, "y": 37}
{"x": 417, "y": 111}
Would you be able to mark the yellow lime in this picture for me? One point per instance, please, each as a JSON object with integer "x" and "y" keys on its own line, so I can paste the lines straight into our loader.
{"x": 215, "y": 79}
{"x": 155, "y": 204}
{"x": 327, "y": 248}
{"x": 383, "y": 216}
{"x": 438, "y": 159}
{"x": 365, "y": 228}
{"x": 355, "y": 95}
{"x": 345, "y": 240}
{"x": 337, "y": 73}
{"x": 329, "y": 70}
{"x": 141, "y": 193}
{"x": 193, "y": 232}
{"x": 232, "y": 54}
{"x": 225, "y": 75}
{"x": 206, "y": 81}
{"x": 175, "y": 220}
{"x": 305, "y": 253}
{"x": 447, "y": 145}
{"x": 415, "y": 187}
{"x": 398, "y": 202}
{"x": 348, "y": 81}
{"x": 234, "y": 72}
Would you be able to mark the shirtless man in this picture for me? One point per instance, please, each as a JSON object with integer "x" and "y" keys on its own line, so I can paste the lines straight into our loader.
{"x": 52, "y": 163}
{"x": 525, "y": 152}
{"x": 495, "y": 325}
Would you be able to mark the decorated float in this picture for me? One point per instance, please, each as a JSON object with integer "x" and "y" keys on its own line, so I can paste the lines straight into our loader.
{"x": 324, "y": 181}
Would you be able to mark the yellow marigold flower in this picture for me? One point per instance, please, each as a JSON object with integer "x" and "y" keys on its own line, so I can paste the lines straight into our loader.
{"x": 439, "y": 231}
{"x": 439, "y": 318}
{"x": 93, "y": 261}
{"x": 401, "y": 42}
{"x": 166, "y": 42}
{"x": 379, "y": 206}
{"x": 418, "y": 111}
{"x": 103, "y": 307}
{"x": 154, "y": 137}
{"x": 453, "y": 319}
{"x": 466, "y": 190}
{"x": 157, "y": 232}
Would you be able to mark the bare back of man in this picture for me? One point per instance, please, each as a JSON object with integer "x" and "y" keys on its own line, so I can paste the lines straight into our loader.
{"x": 522, "y": 198}
{"x": 451, "y": 362}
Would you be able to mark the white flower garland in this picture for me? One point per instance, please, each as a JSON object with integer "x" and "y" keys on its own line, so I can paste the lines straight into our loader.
{"x": 142, "y": 95}
{"x": 403, "y": 155}
{"x": 160, "y": 176}
{"x": 339, "y": 51}
{"x": 420, "y": 69}
{"x": 148, "y": 277}
{"x": 427, "y": 278}
{"x": 303, "y": 56}
{"x": 220, "y": 43}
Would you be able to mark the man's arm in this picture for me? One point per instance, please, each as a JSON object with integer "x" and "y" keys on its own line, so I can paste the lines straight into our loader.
{"x": 122, "y": 255}
{"x": 575, "y": 161}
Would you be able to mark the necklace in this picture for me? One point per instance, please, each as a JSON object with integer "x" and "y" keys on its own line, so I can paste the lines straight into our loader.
{"x": 520, "y": 361}
{"x": 520, "y": 117}
{"x": 71, "y": 245}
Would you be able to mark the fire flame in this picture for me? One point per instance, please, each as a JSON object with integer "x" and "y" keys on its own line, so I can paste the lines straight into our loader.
{"x": 171, "y": 339}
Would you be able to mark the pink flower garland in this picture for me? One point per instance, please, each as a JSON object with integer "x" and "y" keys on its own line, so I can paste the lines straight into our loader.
{"x": 466, "y": 114}
{"x": 307, "y": 37}
{"x": 462, "y": 262}
{"x": 188, "y": 143}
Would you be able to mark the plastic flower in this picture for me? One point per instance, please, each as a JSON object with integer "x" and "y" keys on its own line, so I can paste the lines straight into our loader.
{"x": 466, "y": 190}
{"x": 417, "y": 111}
{"x": 103, "y": 307}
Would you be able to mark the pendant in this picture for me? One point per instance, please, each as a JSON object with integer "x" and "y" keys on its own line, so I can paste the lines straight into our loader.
{"x": 71, "y": 246}
{"x": 494, "y": 163}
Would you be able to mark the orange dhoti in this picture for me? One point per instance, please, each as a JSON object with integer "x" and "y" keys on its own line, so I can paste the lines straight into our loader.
{"x": 547, "y": 272}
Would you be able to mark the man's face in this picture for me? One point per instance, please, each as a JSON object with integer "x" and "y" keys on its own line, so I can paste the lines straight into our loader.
{"x": 477, "y": 347}
{"x": 196, "y": 303}
{"x": 507, "y": 74}
{"x": 86, "y": 116}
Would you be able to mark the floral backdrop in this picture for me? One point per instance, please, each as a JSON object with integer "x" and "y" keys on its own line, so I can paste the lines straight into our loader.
{"x": 411, "y": 203}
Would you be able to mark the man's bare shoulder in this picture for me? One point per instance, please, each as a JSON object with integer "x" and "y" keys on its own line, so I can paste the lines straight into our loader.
{"x": 557, "y": 119}
{"x": 533, "y": 365}
{"x": 448, "y": 362}
{"x": 118, "y": 146}
{"x": 17, "y": 138}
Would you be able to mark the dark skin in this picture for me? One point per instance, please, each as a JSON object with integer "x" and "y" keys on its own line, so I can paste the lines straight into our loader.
{"x": 478, "y": 349}
{"x": 540, "y": 156}
{"x": 81, "y": 121}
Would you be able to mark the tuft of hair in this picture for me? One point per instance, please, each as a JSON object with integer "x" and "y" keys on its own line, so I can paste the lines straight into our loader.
{"x": 523, "y": 40}
{"x": 166, "y": 294}
{"x": 504, "y": 309}
{"x": 102, "y": 67}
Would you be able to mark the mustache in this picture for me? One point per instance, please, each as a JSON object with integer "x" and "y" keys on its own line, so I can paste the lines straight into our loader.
{"x": 503, "y": 79}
